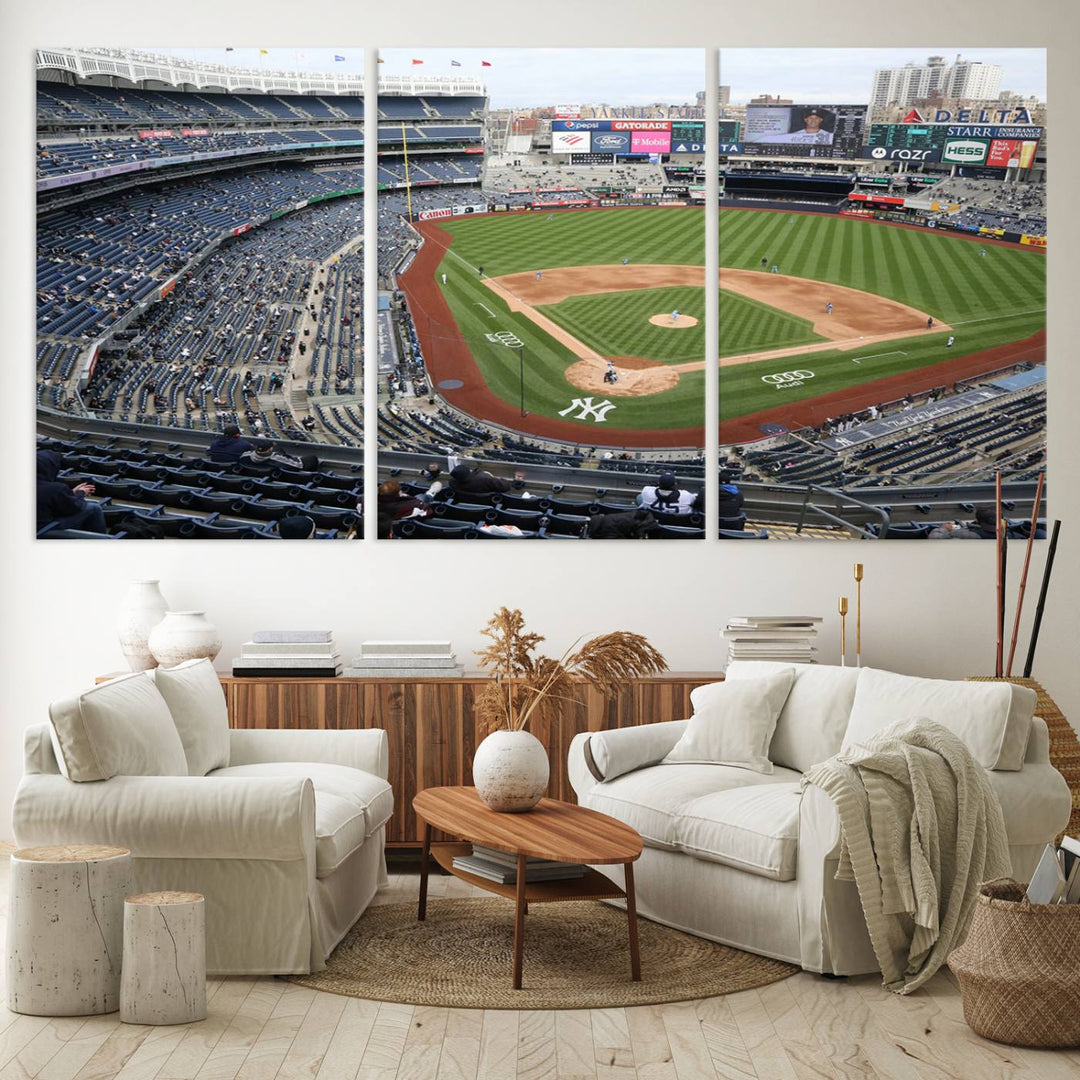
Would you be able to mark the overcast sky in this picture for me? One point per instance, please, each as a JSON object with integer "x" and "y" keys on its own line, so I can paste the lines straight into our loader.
{"x": 535, "y": 77}
{"x": 844, "y": 75}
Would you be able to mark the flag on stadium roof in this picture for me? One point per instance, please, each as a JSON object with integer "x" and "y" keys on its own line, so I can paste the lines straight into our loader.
{"x": 485, "y": 63}
{"x": 455, "y": 63}
{"x": 264, "y": 52}
{"x": 339, "y": 59}
{"x": 415, "y": 61}
{"x": 380, "y": 60}
{"x": 228, "y": 48}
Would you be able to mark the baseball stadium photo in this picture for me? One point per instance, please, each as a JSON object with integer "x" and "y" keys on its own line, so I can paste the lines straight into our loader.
{"x": 882, "y": 240}
{"x": 200, "y": 231}
{"x": 542, "y": 321}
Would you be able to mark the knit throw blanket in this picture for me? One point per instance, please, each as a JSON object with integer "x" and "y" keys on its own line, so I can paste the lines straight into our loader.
{"x": 921, "y": 829}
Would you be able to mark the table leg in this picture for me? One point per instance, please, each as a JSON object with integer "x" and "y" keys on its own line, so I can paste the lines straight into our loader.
{"x": 631, "y": 916}
{"x": 519, "y": 921}
{"x": 425, "y": 858}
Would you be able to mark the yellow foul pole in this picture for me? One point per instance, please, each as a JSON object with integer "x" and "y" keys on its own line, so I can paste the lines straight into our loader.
{"x": 408, "y": 185}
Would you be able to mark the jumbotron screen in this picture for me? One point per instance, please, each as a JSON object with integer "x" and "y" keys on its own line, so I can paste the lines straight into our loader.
{"x": 832, "y": 131}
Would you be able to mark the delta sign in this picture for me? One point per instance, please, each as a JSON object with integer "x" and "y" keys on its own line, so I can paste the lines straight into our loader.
{"x": 969, "y": 116}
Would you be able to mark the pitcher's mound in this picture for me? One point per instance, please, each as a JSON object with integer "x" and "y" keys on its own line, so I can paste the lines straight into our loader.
{"x": 681, "y": 324}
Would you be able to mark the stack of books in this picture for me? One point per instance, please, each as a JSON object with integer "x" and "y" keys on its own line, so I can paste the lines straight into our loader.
{"x": 405, "y": 660}
{"x": 786, "y": 639}
{"x": 501, "y": 866}
{"x": 291, "y": 653}
{"x": 1057, "y": 877}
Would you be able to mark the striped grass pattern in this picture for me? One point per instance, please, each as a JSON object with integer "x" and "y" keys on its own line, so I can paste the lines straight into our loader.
{"x": 990, "y": 301}
{"x": 617, "y": 324}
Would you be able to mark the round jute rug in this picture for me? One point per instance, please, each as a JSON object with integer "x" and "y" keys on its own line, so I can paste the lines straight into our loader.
{"x": 576, "y": 957}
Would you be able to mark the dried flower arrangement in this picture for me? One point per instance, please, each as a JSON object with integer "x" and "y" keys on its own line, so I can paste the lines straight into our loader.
{"x": 523, "y": 680}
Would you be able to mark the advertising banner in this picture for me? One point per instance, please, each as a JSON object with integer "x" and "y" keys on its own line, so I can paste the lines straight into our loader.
{"x": 580, "y": 125}
{"x": 650, "y": 142}
{"x": 612, "y": 142}
{"x": 965, "y": 151}
{"x": 474, "y": 208}
{"x": 1003, "y": 153}
{"x": 194, "y": 131}
{"x": 165, "y": 133}
{"x": 944, "y": 207}
{"x": 900, "y": 153}
{"x": 641, "y": 125}
{"x": 991, "y": 232}
{"x": 566, "y": 142}
{"x": 167, "y": 288}
{"x": 567, "y": 111}
{"x": 592, "y": 159}
{"x": 1033, "y": 241}
{"x": 241, "y": 229}
{"x": 1027, "y": 154}
{"x": 430, "y": 215}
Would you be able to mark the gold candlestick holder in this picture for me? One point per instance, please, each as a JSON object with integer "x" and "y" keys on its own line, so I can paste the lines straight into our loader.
{"x": 842, "y": 608}
{"x": 858, "y": 613}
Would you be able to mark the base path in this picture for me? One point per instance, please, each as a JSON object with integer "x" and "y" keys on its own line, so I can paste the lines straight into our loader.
{"x": 447, "y": 356}
{"x": 812, "y": 412}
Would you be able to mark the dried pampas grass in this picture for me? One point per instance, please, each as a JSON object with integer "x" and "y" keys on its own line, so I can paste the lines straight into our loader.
{"x": 522, "y": 680}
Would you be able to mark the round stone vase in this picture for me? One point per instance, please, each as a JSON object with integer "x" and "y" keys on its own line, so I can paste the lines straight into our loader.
{"x": 184, "y": 635}
{"x": 510, "y": 771}
{"x": 142, "y": 608}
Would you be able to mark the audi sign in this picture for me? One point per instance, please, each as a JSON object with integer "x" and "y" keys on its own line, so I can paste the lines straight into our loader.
{"x": 784, "y": 380}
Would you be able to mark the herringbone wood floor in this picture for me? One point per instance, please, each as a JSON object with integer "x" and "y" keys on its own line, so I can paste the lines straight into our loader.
{"x": 805, "y": 1028}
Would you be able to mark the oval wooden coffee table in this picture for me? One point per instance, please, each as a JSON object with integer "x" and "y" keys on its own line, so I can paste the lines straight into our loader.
{"x": 553, "y": 830}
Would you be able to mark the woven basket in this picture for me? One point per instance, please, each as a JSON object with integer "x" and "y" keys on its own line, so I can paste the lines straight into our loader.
{"x": 1019, "y": 969}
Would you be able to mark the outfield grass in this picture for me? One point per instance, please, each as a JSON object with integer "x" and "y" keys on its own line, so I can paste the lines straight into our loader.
{"x": 989, "y": 301}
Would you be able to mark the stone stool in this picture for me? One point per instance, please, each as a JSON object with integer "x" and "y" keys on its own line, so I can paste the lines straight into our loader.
{"x": 65, "y": 929}
{"x": 164, "y": 980}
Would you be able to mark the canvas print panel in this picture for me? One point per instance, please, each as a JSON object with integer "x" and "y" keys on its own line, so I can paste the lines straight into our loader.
{"x": 882, "y": 291}
{"x": 200, "y": 229}
{"x": 541, "y": 334}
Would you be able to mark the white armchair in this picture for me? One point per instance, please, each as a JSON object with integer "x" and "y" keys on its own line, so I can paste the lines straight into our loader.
{"x": 286, "y": 841}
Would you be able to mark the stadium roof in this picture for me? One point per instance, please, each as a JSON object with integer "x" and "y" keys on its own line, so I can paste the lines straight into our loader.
{"x": 135, "y": 66}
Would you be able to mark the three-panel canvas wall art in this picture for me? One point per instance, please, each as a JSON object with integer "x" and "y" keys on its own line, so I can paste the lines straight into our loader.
{"x": 547, "y": 322}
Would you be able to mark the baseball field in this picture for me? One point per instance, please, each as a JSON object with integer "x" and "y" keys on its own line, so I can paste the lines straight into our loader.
{"x": 564, "y": 299}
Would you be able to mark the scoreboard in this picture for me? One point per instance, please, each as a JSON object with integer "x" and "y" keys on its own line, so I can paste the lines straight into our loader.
{"x": 819, "y": 131}
{"x": 903, "y": 136}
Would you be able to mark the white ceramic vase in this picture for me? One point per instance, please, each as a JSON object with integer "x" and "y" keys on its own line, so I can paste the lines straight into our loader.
{"x": 510, "y": 771}
{"x": 184, "y": 635}
{"x": 143, "y": 607}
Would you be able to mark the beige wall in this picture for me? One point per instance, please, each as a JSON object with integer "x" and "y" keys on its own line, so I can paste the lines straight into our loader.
{"x": 928, "y": 609}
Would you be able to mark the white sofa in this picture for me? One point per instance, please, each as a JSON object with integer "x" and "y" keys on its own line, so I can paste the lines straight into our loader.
{"x": 742, "y": 857}
{"x": 282, "y": 831}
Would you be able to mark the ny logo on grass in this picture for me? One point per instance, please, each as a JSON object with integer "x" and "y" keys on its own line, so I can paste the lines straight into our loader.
{"x": 598, "y": 412}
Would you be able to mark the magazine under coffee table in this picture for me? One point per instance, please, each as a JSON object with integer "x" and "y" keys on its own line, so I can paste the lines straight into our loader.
{"x": 558, "y": 831}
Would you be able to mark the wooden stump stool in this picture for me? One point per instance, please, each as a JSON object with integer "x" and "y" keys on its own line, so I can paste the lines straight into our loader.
{"x": 65, "y": 929}
{"x": 164, "y": 979}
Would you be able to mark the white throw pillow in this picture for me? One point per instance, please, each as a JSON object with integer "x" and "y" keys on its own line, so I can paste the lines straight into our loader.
{"x": 812, "y": 723}
{"x": 193, "y": 693}
{"x": 120, "y": 728}
{"x": 733, "y": 722}
{"x": 993, "y": 720}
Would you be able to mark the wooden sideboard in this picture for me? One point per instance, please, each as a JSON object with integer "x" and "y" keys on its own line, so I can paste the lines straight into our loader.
{"x": 431, "y": 727}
